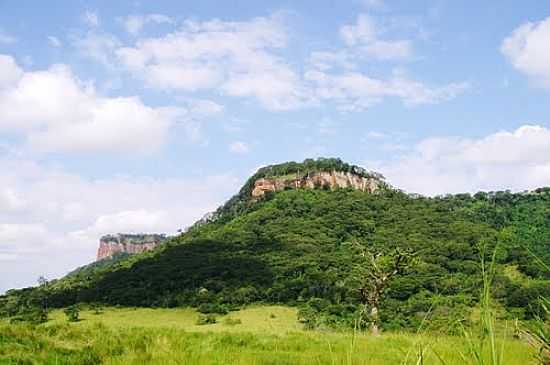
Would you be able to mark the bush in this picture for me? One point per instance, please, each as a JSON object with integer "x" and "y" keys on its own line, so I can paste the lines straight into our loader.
{"x": 232, "y": 321}
{"x": 97, "y": 308}
{"x": 72, "y": 312}
{"x": 32, "y": 315}
{"x": 207, "y": 308}
{"x": 206, "y": 319}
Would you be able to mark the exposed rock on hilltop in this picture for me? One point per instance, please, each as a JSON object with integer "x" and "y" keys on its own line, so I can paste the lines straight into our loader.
{"x": 110, "y": 245}
{"x": 322, "y": 179}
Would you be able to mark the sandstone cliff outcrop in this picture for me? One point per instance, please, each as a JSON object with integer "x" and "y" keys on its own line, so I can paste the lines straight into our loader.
{"x": 110, "y": 245}
{"x": 321, "y": 179}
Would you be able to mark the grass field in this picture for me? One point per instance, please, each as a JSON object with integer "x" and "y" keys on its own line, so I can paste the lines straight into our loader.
{"x": 266, "y": 335}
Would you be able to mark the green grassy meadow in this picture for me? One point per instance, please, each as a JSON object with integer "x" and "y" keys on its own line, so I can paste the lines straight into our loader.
{"x": 266, "y": 335}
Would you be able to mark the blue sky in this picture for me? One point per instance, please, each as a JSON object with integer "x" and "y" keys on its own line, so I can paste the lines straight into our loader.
{"x": 143, "y": 116}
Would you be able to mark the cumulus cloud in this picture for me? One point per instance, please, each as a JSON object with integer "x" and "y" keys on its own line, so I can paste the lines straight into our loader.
{"x": 238, "y": 58}
{"x": 135, "y": 23}
{"x": 355, "y": 91}
{"x": 517, "y": 160}
{"x": 60, "y": 113}
{"x": 10, "y": 72}
{"x": 56, "y": 217}
{"x": 528, "y": 50}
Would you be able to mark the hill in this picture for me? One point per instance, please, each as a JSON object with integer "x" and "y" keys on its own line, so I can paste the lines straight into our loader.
{"x": 309, "y": 246}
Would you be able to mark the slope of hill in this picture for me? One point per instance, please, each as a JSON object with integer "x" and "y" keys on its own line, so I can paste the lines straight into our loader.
{"x": 298, "y": 247}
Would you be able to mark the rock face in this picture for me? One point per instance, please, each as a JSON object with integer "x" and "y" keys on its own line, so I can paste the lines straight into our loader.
{"x": 127, "y": 243}
{"x": 332, "y": 180}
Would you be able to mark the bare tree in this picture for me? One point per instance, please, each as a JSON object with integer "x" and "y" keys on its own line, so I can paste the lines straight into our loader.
{"x": 375, "y": 273}
{"x": 43, "y": 297}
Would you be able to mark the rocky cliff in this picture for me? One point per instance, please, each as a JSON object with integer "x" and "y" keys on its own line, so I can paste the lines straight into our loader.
{"x": 320, "y": 179}
{"x": 127, "y": 243}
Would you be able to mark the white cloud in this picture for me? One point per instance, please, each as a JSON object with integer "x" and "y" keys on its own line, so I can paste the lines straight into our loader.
{"x": 97, "y": 46}
{"x": 338, "y": 76}
{"x": 5, "y": 38}
{"x": 355, "y": 91}
{"x": 54, "y": 41}
{"x": 363, "y": 31}
{"x": 389, "y": 50}
{"x": 237, "y": 58}
{"x": 364, "y": 35}
{"x": 24, "y": 236}
{"x": 130, "y": 221}
{"x": 516, "y": 160}
{"x": 239, "y": 147}
{"x": 242, "y": 59}
{"x": 10, "y": 201}
{"x": 325, "y": 60}
{"x": 204, "y": 108}
{"x": 91, "y": 18}
{"x": 10, "y": 72}
{"x": 135, "y": 23}
{"x": 375, "y": 135}
{"x": 58, "y": 224}
{"x": 528, "y": 50}
{"x": 57, "y": 112}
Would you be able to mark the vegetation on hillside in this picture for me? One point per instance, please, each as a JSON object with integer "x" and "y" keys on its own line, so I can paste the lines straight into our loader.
{"x": 300, "y": 248}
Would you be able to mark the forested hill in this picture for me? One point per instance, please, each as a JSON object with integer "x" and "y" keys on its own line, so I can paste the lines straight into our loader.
{"x": 307, "y": 247}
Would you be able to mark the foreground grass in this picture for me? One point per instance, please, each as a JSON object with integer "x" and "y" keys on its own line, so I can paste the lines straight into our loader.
{"x": 267, "y": 335}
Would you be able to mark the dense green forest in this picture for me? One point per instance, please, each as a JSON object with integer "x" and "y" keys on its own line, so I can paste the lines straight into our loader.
{"x": 307, "y": 248}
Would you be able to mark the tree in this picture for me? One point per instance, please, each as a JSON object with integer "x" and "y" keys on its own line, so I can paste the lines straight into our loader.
{"x": 72, "y": 312}
{"x": 43, "y": 298}
{"x": 375, "y": 273}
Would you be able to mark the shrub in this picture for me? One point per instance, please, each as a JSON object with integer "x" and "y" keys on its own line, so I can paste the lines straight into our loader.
{"x": 32, "y": 315}
{"x": 232, "y": 321}
{"x": 72, "y": 312}
{"x": 206, "y": 319}
{"x": 97, "y": 308}
{"x": 207, "y": 308}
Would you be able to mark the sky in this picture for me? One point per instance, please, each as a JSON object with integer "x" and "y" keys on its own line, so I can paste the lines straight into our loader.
{"x": 136, "y": 116}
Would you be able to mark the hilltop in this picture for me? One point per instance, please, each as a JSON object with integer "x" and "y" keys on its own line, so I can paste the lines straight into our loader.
{"x": 323, "y": 173}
